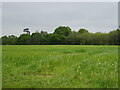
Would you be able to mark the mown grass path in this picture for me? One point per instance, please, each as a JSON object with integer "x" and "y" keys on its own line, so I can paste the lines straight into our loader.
{"x": 59, "y": 66}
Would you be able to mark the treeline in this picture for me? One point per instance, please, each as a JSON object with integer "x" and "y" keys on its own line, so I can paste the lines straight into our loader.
{"x": 64, "y": 36}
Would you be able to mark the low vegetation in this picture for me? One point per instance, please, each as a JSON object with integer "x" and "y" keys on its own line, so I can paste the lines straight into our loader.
{"x": 59, "y": 66}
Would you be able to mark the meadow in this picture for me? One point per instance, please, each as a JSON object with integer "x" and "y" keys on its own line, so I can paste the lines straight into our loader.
{"x": 59, "y": 66}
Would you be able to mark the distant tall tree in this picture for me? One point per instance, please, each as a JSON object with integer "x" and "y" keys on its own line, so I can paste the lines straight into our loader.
{"x": 24, "y": 39}
{"x": 5, "y": 40}
{"x": 83, "y": 31}
{"x": 114, "y": 37}
{"x": 63, "y": 35}
{"x": 72, "y": 39}
{"x": 62, "y": 30}
{"x": 35, "y": 38}
{"x": 56, "y": 39}
{"x": 12, "y": 40}
{"x": 26, "y": 30}
{"x": 44, "y": 32}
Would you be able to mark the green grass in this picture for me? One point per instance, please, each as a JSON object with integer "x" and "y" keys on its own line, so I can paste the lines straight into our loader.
{"x": 59, "y": 66}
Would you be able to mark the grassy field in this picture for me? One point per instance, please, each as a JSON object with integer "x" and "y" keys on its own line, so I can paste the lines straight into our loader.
{"x": 59, "y": 66}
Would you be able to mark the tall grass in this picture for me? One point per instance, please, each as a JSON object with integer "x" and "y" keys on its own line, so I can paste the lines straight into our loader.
{"x": 59, "y": 66}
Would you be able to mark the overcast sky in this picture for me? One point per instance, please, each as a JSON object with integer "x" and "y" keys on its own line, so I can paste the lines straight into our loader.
{"x": 96, "y": 17}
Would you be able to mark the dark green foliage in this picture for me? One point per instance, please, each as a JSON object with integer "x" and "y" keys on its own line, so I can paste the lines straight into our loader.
{"x": 5, "y": 40}
{"x": 72, "y": 39}
{"x": 24, "y": 39}
{"x": 62, "y": 30}
{"x": 83, "y": 31}
{"x": 10, "y": 40}
{"x": 36, "y": 38}
{"x": 114, "y": 37}
{"x": 62, "y": 36}
{"x": 56, "y": 39}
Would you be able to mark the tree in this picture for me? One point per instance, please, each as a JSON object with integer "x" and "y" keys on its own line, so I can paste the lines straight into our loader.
{"x": 12, "y": 40}
{"x": 5, "y": 40}
{"x": 62, "y": 36}
{"x": 114, "y": 37}
{"x": 26, "y": 30}
{"x": 72, "y": 39}
{"x": 62, "y": 30}
{"x": 83, "y": 31}
{"x": 35, "y": 38}
{"x": 39, "y": 38}
{"x": 56, "y": 39}
{"x": 81, "y": 38}
{"x": 24, "y": 39}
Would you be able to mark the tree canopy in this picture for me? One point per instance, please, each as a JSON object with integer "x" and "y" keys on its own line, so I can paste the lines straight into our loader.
{"x": 62, "y": 30}
{"x": 83, "y": 31}
{"x": 63, "y": 35}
